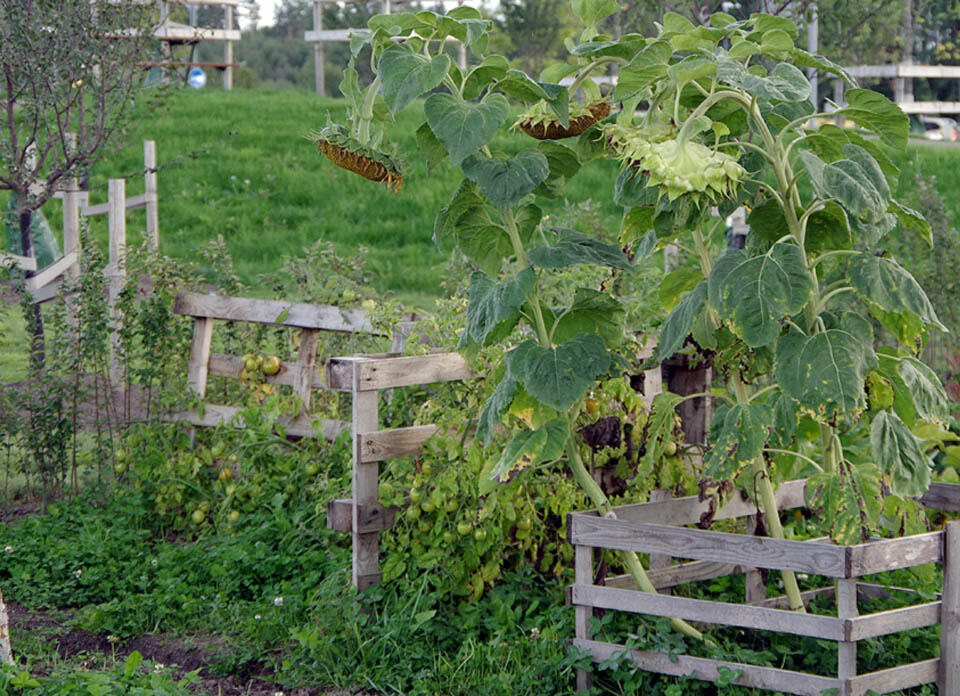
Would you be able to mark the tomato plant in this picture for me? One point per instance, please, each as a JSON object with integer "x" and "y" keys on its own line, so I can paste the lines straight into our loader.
{"x": 728, "y": 123}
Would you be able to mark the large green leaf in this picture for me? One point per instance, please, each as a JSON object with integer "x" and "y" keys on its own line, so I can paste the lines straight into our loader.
{"x": 505, "y": 182}
{"x": 497, "y": 404}
{"x": 573, "y": 247}
{"x": 741, "y": 440}
{"x": 848, "y": 500}
{"x": 563, "y": 161}
{"x": 825, "y": 372}
{"x": 494, "y": 308}
{"x": 679, "y": 322}
{"x": 753, "y": 294}
{"x": 591, "y": 12}
{"x": 406, "y": 75}
{"x": 929, "y": 398}
{"x": 785, "y": 84}
{"x": 803, "y": 59}
{"x": 483, "y": 240}
{"x": 898, "y": 454}
{"x": 560, "y": 375}
{"x": 876, "y": 113}
{"x": 649, "y": 66}
{"x": 883, "y": 282}
{"x": 676, "y": 283}
{"x": 529, "y": 448}
{"x": 465, "y": 127}
{"x": 432, "y": 149}
{"x": 911, "y": 220}
{"x": 464, "y": 199}
{"x": 852, "y": 183}
{"x": 592, "y": 312}
{"x": 492, "y": 68}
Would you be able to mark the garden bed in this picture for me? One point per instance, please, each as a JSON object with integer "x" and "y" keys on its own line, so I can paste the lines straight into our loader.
{"x": 657, "y": 528}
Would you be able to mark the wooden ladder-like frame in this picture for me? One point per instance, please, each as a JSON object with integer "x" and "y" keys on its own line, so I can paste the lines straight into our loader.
{"x": 363, "y": 376}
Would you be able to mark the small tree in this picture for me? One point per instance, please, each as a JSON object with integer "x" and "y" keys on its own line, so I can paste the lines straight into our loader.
{"x": 66, "y": 67}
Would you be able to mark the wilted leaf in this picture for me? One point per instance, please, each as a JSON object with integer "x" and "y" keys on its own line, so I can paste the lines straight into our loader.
{"x": 560, "y": 375}
{"x": 505, "y": 182}
{"x": 848, "y": 500}
{"x": 529, "y": 448}
{"x": 497, "y": 404}
{"x": 741, "y": 440}
{"x": 754, "y": 293}
{"x": 679, "y": 322}
{"x": 898, "y": 454}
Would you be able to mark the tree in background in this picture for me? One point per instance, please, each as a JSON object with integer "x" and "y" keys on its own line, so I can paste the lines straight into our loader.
{"x": 68, "y": 66}
{"x": 531, "y": 31}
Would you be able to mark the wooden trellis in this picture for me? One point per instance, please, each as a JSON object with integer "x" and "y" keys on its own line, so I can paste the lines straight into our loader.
{"x": 363, "y": 376}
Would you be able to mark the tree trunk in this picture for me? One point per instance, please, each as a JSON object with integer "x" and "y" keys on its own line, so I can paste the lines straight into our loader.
{"x": 37, "y": 347}
{"x": 6, "y": 653}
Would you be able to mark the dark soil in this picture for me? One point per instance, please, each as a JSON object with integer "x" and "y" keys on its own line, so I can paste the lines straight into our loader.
{"x": 174, "y": 653}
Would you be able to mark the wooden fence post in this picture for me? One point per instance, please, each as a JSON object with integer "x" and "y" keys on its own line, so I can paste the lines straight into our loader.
{"x": 116, "y": 267}
{"x": 846, "y": 650}
{"x": 366, "y": 550}
{"x": 660, "y": 560}
{"x": 949, "y": 676}
{"x": 318, "y": 55}
{"x": 150, "y": 191}
{"x": 228, "y": 49}
{"x": 72, "y": 200}
{"x": 583, "y": 575}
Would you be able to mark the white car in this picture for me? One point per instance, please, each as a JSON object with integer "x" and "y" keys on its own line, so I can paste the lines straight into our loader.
{"x": 939, "y": 128}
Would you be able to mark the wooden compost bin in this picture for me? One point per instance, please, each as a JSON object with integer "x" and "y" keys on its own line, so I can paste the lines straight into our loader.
{"x": 657, "y": 528}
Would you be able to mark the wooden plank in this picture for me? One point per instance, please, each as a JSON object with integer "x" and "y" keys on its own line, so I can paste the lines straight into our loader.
{"x": 846, "y": 650}
{"x": 891, "y": 554}
{"x": 215, "y": 415}
{"x": 687, "y": 510}
{"x": 679, "y": 574}
{"x": 904, "y": 70}
{"x": 942, "y": 496}
{"x": 221, "y": 365}
{"x": 886, "y": 681}
{"x": 769, "y": 678}
{"x": 930, "y": 107}
{"x": 305, "y": 371}
{"x": 50, "y": 291}
{"x": 892, "y": 621}
{"x": 659, "y": 561}
{"x": 754, "y": 588}
{"x": 783, "y": 602}
{"x": 949, "y": 675}
{"x": 116, "y": 270}
{"x": 333, "y": 35}
{"x": 151, "y": 190}
{"x": 199, "y": 365}
{"x": 181, "y": 32}
{"x": 391, "y": 444}
{"x": 25, "y": 262}
{"x": 141, "y": 200}
{"x": 583, "y": 575}
{"x": 371, "y": 374}
{"x": 372, "y": 518}
{"x": 273, "y": 312}
{"x": 52, "y": 272}
{"x": 707, "y": 611}
{"x": 93, "y": 210}
{"x": 762, "y": 552}
{"x": 365, "y": 489}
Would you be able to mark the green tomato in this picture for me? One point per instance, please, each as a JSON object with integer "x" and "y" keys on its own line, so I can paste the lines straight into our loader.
{"x": 198, "y": 516}
{"x": 452, "y": 505}
{"x": 479, "y": 533}
{"x": 234, "y": 515}
{"x": 670, "y": 448}
{"x": 425, "y": 525}
{"x": 416, "y": 495}
{"x": 120, "y": 467}
{"x": 428, "y": 506}
{"x": 464, "y": 527}
{"x": 413, "y": 513}
{"x": 524, "y": 523}
{"x": 311, "y": 469}
{"x": 448, "y": 537}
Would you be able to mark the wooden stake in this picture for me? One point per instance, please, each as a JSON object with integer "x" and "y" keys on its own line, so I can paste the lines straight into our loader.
{"x": 846, "y": 650}
{"x": 949, "y": 681}
{"x": 150, "y": 191}
{"x": 366, "y": 551}
{"x": 583, "y": 574}
{"x": 228, "y": 50}
{"x": 116, "y": 268}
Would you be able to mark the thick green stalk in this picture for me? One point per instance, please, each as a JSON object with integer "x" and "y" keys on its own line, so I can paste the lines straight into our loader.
{"x": 580, "y": 474}
{"x": 366, "y": 111}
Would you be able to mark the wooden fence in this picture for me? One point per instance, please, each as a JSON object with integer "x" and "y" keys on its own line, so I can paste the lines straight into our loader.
{"x": 362, "y": 376}
{"x": 655, "y": 528}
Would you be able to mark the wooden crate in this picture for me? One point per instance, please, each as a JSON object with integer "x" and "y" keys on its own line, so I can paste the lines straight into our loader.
{"x": 657, "y": 528}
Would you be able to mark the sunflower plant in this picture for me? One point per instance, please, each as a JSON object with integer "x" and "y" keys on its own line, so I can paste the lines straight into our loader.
{"x": 710, "y": 118}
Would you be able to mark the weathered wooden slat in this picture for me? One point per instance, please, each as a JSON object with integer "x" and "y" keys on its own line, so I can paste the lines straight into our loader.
{"x": 846, "y": 650}
{"x": 783, "y": 602}
{"x": 372, "y": 374}
{"x": 679, "y": 574}
{"x": 93, "y": 210}
{"x": 687, "y": 510}
{"x": 305, "y": 370}
{"x": 949, "y": 675}
{"x": 139, "y": 201}
{"x": 583, "y": 575}
{"x": 48, "y": 292}
{"x": 391, "y": 444}
{"x": 892, "y": 621}
{"x": 886, "y": 681}
{"x": 891, "y": 554}
{"x": 761, "y": 552}
{"x": 199, "y": 366}
{"x": 27, "y": 263}
{"x": 866, "y": 590}
{"x": 728, "y": 614}
{"x": 366, "y": 418}
{"x": 52, "y": 272}
{"x": 277, "y": 313}
{"x": 702, "y": 668}
{"x": 214, "y": 415}
{"x": 372, "y": 518}
{"x": 942, "y": 496}
{"x": 231, "y": 366}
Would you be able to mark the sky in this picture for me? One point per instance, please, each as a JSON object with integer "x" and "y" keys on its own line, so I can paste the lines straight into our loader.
{"x": 268, "y": 9}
